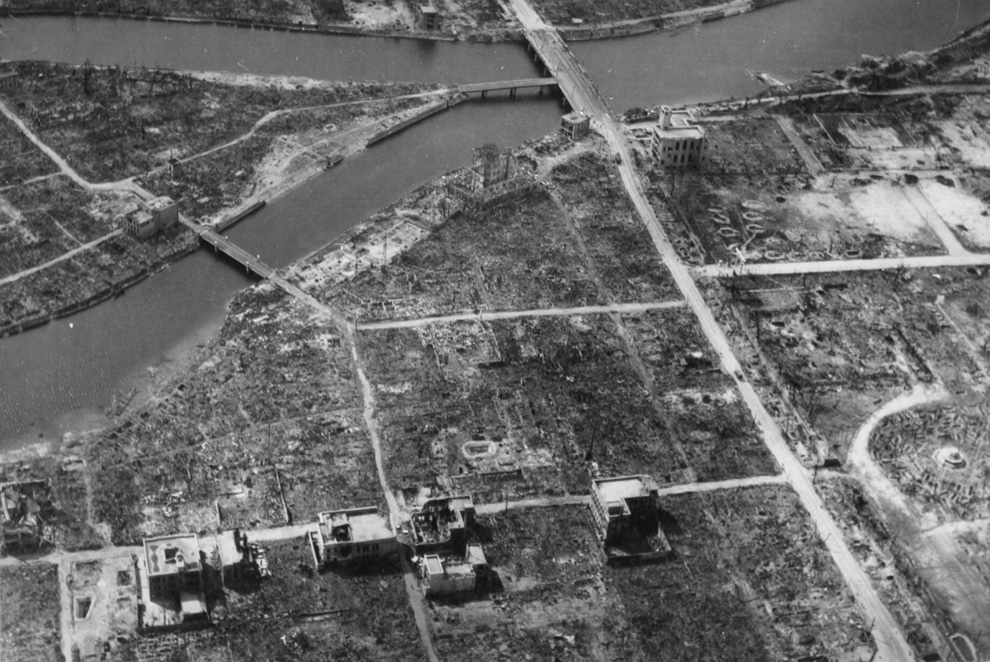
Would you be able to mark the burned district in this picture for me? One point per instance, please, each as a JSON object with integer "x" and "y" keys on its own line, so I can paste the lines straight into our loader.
{"x": 706, "y": 383}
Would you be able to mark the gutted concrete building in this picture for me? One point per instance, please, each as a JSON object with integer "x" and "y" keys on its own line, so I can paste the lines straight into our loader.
{"x": 357, "y": 534}
{"x": 152, "y": 217}
{"x": 677, "y": 141}
{"x": 175, "y": 577}
{"x": 575, "y": 125}
{"x": 441, "y": 525}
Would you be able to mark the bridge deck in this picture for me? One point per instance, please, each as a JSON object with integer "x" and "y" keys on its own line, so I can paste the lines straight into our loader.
{"x": 230, "y": 249}
{"x": 507, "y": 85}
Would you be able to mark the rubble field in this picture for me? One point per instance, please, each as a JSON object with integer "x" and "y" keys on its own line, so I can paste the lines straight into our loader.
{"x": 756, "y": 201}
{"x": 43, "y": 221}
{"x": 569, "y": 12}
{"x": 840, "y": 344}
{"x": 524, "y": 407}
{"x": 886, "y": 561}
{"x": 29, "y": 620}
{"x": 110, "y": 123}
{"x": 938, "y": 456}
{"x": 290, "y": 12}
{"x": 286, "y": 147}
{"x": 302, "y": 613}
{"x": 750, "y": 581}
{"x": 30, "y": 162}
{"x": 264, "y": 427}
{"x": 554, "y": 247}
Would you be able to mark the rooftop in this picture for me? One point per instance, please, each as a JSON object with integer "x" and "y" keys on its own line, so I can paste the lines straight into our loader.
{"x": 362, "y": 525}
{"x": 170, "y": 555}
{"x": 624, "y": 487}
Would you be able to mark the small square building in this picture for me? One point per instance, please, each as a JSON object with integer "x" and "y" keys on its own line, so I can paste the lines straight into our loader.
{"x": 8, "y": 79}
{"x": 575, "y": 125}
{"x": 429, "y": 17}
{"x": 617, "y": 503}
{"x": 152, "y": 217}
{"x": 358, "y": 534}
{"x": 450, "y": 575}
{"x": 677, "y": 141}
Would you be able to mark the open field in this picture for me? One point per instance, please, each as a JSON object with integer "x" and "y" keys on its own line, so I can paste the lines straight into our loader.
{"x": 29, "y": 619}
{"x": 750, "y": 581}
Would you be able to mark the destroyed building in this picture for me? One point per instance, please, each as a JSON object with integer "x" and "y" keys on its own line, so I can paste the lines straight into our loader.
{"x": 493, "y": 178}
{"x": 8, "y": 79}
{"x": 152, "y": 217}
{"x": 175, "y": 580}
{"x": 625, "y": 511}
{"x": 442, "y": 524}
{"x": 677, "y": 142}
{"x": 575, "y": 125}
{"x": 24, "y": 509}
{"x": 358, "y": 534}
{"x": 448, "y": 563}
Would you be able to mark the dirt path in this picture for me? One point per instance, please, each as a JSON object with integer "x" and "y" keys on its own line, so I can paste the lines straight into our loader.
{"x": 61, "y": 258}
{"x": 485, "y": 316}
{"x": 66, "y": 169}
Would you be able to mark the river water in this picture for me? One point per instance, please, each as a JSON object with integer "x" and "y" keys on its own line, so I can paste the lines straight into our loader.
{"x": 59, "y": 377}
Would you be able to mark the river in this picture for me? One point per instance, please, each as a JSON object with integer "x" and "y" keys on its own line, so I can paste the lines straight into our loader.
{"x": 61, "y": 376}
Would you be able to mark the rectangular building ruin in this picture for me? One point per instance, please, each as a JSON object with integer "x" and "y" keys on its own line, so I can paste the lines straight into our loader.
{"x": 677, "y": 141}
{"x": 493, "y": 178}
{"x": 357, "y": 534}
{"x": 152, "y": 217}
{"x": 448, "y": 563}
{"x": 24, "y": 510}
{"x": 575, "y": 125}
{"x": 175, "y": 579}
{"x": 625, "y": 511}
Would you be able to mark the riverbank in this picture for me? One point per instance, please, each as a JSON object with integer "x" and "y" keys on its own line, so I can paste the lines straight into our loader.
{"x": 577, "y": 30}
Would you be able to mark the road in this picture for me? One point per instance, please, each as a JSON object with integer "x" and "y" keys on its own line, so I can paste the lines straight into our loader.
{"x": 61, "y": 258}
{"x": 838, "y": 266}
{"x": 488, "y": 316}
{"x": 890, "y": 641}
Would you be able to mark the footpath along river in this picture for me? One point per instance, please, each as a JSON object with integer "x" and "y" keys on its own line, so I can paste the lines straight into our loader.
{"x": 60, "y": 377}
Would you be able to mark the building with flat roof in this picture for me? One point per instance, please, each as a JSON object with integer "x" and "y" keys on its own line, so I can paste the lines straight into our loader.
{"x": 677, "y": 141}
{"x": 175, "y": 574}
{"x": 449, "y": 575}
{"x": 152, "y": 217}
{"x": 357, "y": 534}
{"x": 575, "y": 125}
{"x": 625, "y": 512}
{"x": 429, "y": 17}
